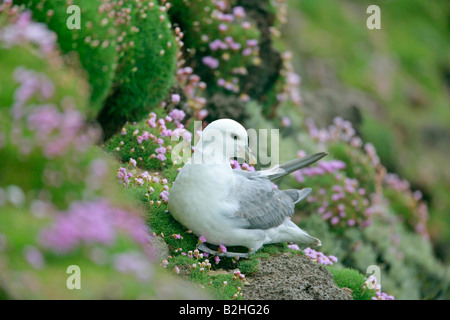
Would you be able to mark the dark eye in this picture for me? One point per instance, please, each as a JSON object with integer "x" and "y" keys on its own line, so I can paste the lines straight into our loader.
{"x": 234, "y": 136}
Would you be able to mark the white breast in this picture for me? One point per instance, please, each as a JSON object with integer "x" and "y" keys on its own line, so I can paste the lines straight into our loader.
{"x": 198, "y": 198}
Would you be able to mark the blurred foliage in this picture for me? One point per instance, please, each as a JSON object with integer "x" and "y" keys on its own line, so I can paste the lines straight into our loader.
{"x": 353, "y": 280}
{"x": 93, "y": 46}
{"x": 55, "y": 185}
{"x": 136, "y": 58}
{"x": 146, "y": 65}
{"x": 402, "y": 68}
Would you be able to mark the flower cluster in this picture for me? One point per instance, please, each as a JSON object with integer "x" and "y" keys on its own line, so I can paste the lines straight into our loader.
{"x": 371, "y": 283}
{"x": 134, "y": 262}
{"x": 91, "y": 223}
{"x": 342, "y": 131}
{"x": 149, "y": 181}
{"x": 317, "y": 256}
{"x": 193, "y": 89}
{"x": 149, "y": 143}
{"x": 290, "y": 90}
{"x": 407, "y": 203}
{"x": 124, "y": 176}
{"x": 200, "y": 266}
{"x": 56, "y": 131}
{"x": 363, "y": 163}
{"x": 340, "y": 201}
{"x": 27, "y": 31}
{"x": 237, "y": 166}
{"x": 224, "y": 46}
{"x": 394, "y": 182}
{"x": 226, "y": 40}
{"x": 345, "y": 201}
{"x": 323, "y": 167}
{"x": 238, "y": 276}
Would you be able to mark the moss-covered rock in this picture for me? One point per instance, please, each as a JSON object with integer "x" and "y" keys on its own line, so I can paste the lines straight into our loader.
{"x": 64, "y": 221}
{"x": 146, "y": 66}
{"x": 93, "y": 45}
{"x": 353, "y": 280}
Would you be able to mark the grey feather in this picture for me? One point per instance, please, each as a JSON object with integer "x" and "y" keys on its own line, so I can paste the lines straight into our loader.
{"x": 297, "y": 164}
{"x": 261, "y": 205}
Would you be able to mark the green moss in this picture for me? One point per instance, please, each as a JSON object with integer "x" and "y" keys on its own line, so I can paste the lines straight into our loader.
{"x": 93, "y": 45}
{"x": 146, "y": 67}
{"x": 44, "y": 185}
{"x": 249, "y": 266}
{"x": 69, "y": 82}
{"x": 195, "y": 19}
{"x": 125, "y": 145}
{"x": 381, "y": 137}
{"x": 32, "y": 165}
{"x": 352, "y": 279}
{"x": 358, "y": 165}
{"x": 402, "y": 68}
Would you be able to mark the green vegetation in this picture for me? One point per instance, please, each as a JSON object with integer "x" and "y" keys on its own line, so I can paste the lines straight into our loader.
{"x": 146, "y": 70}
{"x": 401, "y": 68}
{"x": 93, "y": 46}
{"x": 353, "y": 280}
{"x": 146, "y": 65}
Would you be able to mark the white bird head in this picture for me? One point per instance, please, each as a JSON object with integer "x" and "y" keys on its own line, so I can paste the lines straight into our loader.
{"x": 223, "y": 140}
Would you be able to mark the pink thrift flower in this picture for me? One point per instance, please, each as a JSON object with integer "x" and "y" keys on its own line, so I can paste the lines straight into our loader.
{"x": 286, "y": 122}
{"x": 161, "y": 157}
{"x": 225, "y": 17}
{"x": 161, "y": 150}
{"x": 246, "y": 25}
{"x": 239, "y": 12}
{"x": 34, "y": 257}
{"x": 210, "y": 62}
{"x": 166, "y": 133}
{"x": 221, "y": 5}
{"x": 222, "y": 248}
{"x": 299, "y": 176}
{"x": 327, "y": 215}
{"x": 217, "y": 44}
{"x": 152, "y": 122}
{"x": 252, "y": 43}
{"x": 247, "y": 52}
{"x": 335, "y": 197}
{"x": 164, "y": 196}
{"x": 176, "y": 98}
{"x": 177, "y": 115}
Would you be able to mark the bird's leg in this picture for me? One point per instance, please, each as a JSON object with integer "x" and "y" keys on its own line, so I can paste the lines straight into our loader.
{"x": 234, "y": 254}
{"x": 203, "y": 247}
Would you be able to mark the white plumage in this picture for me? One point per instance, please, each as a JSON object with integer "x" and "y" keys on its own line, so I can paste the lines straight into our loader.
{"x": 234, "y": 207}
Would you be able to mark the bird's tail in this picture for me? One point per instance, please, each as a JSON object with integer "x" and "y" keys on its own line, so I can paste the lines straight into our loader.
{"x": 288, "y": 231}
{"x": 295, "y": 165}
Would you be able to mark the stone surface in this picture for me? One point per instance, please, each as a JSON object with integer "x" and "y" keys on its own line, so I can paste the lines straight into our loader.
{"x": 288, "y": 277}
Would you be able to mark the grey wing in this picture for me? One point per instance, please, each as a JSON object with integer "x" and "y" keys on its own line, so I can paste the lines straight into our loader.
{"x": 260, "y": 204}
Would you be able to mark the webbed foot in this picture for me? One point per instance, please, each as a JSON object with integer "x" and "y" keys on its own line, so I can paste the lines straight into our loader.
{"x": 203, "y": 247}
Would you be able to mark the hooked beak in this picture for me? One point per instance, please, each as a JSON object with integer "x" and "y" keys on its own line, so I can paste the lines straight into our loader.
{"x": 246, "y": 154}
